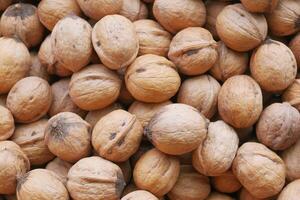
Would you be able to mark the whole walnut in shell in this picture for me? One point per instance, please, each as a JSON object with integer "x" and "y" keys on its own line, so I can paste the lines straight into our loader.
{"x": 229, "y": 63}
{"x": 260, "y": 6}
{"x": 200, "y": 92}
{"x": 15, "y": 63}
{"x": 72, "y": 48}
{"x": 60, "y": 167}
{"x": 153, "y": 38}
{"x": 29, "y": 99}
{"x": 226, "y": 182}
{"x": 37, "y": 68}
{"x": 30, "y": 137}
{"x": 240, "y": 101}
{"x": 190, "y": 185}
{"x": 115, "y": 41}
{"x": 140, "y": 195}
{"x": 193, "y": 50}
{"x": 215, "y": 154}
{"x": 260, "y": 170}
{"x": 177, "y": 129}
{"x": 21, "y": 20}
{"x": 291, "y": 191}
{"x": 152, "y": 79}
{"x": 239, "y": 29}
{"x": 13, "y": 164}
{"x": 294, "y": 45}
{"x": 273, "y": 66}
{"x": 134, "y": 10}
{"x": 7, "y": 123}
{"x": 68, "y": 137}
{"x": 291, "y": 160}
{"x": 51, "y": 11}
{"x": 117, "y": 136}
{"x": 4, "y": 4}
{"x": 278, "y": 126}
{"x": 156, "y": 172}
{"x": 219, "y": 196}
{"x": 41, "y": 184}
{"x": 94, "y": 87}
{"x": 95, "y": 178}
{"x": 175, "y": 15}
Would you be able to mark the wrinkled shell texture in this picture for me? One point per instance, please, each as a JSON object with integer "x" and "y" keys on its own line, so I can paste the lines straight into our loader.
{"x": 115, "y": 41}
{"x": 7, "y": 124}
{"x": 226, "y": 182}
{"x": 13, "y": 164}
{"x": 30, "y": 137}
{"x": 295, "y": 48}
{"x": 273, "y": 66}
{"x": 219, "y": 196}
{"x": 152, "y": 79}
{"x": 260, "y": 6}
{"x": 60, "y": 167}
{"x": 150, "y": 169}
{"x": 68, "y": 136}
{"x": 202, "y": 93}
{"x": 95, "y": 178}
{"x": 291, "y": 191}
{"x": 193, "y": 50}
{"x": 14, "y": 63}
{"x": 240, "y": 101}
{"x": 139, "y": 195}
{"x": 29, "y": 99}
{"x": 117, "y": 136}
{"x": 240, "y": 29}
{"x": 94, "y": 87}
{"x": 260, "y": 171}
{"x": 134, "y": 10}
{"x": 37, "y": 69}
{"x": 291, "y": 159}
{"x": 177, "y": 129}
{"x": 175, "y": 15}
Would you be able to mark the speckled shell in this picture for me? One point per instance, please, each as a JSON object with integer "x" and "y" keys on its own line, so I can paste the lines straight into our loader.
{"x": 273, "y": 66}
{"x": 153, "y": 38}
{"x": 60, "y": 167}
{"x": 72, "y": 48}
{"x": 117, "y": 136}
{"x": 260, "y": 6}
{"x": 4, "y": 4}
{"x": 240, "y": 101}
{"x": 134, "y": 10}
{"x": 51, "y": 11}
{"x": 218, "y": 196}
{"x": 29, "y": 99}
{"x": 152, "y": 79}
{"x": 240, "y": 29}
{"x": 226, "y": 182}
{"x": 295, "y": 47}
{"x": 41, "y": 184}
{"x": 115, "y": 41}
{"x": 68, "y": 137}
{"x": 13, "y": 164}
{"x": 37, "y": 69}
{"x": 95, "y": 178}
{"x": 150, "y": 169}
{"x": 7, "y": 125}
{"x": 200, "y": 92}
{"x": 260, "y": 170}
{"x": 14, "y": 63}
{"x": 291, "y": 160}
{"x": 175, "y": 15}
{"x": 291, "y": 191}
{"x": 193, "y": 50}
{"x": 21, "y": 20}
{"x": 94, "y": 87}
{"x": 140, "y": 195}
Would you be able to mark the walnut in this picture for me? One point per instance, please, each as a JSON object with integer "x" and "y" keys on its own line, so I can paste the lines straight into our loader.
{"x": 4, "y": 4}
{"x": 245, "y": 195}
{"x": 291, "y": 191}
{"x": 60, "y": 167}
{"x": 37, "y": 68}
{"x": 291, "y": 160}
{"x": 134, "y": 10}
{"x": 260, "y": 6}
{"x": 7, "y": 124}
{"x": 292, "y": 94}
{"x": 294, "y": 45}
{"x": 226, "y": 182}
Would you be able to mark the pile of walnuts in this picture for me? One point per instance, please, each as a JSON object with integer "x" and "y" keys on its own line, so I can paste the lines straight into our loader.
{"x": 149, "y": 100}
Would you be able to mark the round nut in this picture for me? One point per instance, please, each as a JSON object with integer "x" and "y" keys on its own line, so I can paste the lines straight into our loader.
{"x": 60, "y": 167}
{"x": 37, "y": 69}
{"x": 139, "y": 195}
{"x": 219, "y": 196}
{"x": 291, "y": 191}
{"x": 226, "y": 182}
{"x": 295, "y": 48}
{"x": 4, "y": 4}
{"x": 260, "y": 6}
{"x": 134, "y": 10}
{"x": 7, "y": 124}
{"x": 291, "y": 160}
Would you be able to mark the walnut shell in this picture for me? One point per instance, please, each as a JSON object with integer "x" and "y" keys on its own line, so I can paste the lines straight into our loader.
{"x": 273, "y": 66}
{"x": 153, "y": 38}
{"x": 150, "y": 169}
{"x": 134, "y": 10}
{"x": 21, "y": 20}
{"x": 200, "y": 92}
{"x": 239, "y": 29}
{"x": 4, "y": 4}
{"x": 260, "y": 170}
{"x": 278, "y": 126}
{"x": 245, "y": 195}
{"x": 15, "y": 63}
{"x": 190, "y": 185}
{"x": 284, "y": 20}
{"x": 72, "y": 48}
{"x": 215, "y": 154}
{"x": 219, "y": 196}
{"x": 68, "y": 137}
{"x": 193, "y": 50}
{"x": 152, "y": 79}
{"x": 240, "y": 101}
{"x": 294, "y": 45}
{"x": 117, "y": 136}
{"x": 291, "y": 191}
{"x": 175, "y": 15}
{"x": 139, "y": 195}
{"x": 115, "y": 41}
{"x": 51, "y": 11}
{"x": 94, "y": 87}
{"x": 60, "y": 167}
{"x": 126, "y": 170}
{"x": 226, "y": 182}
{"x": 260, "y": 6}
{"x": 7, "y": 124}
{"x": 100, "y": 8}
{"x": 291, "y": 160}
{"x": 37, "y": 69}
{"x": 29, "y": 99}
{"x": 14, "y": 164}
{"x": 41, "y": 184}
{"x": 229, "y": 63}
{"x": 95, "y": 178}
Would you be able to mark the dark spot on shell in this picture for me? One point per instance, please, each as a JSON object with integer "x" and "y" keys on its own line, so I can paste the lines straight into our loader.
{"x": 74, "y": 47}
{"x": 98, "y": 44}
{"x": 84, "y": 26}
{"x": 297, "y": 23}
{"x": 123, "y": 124}
{"x": 20, "y": 10}
{"x": 192, "y": 52}
{"x": 33, "y": 133}
{"x": 120, "y": 184}
{"x": 112, "y": 136}
{"x": 148, "y": 133}
{"x": 140, "y": 70}
{"x": 59, "y": 128}
{"x": 55, "y": 41}
{"x": 242, "y": 15}
{"x": 120, "y": 142}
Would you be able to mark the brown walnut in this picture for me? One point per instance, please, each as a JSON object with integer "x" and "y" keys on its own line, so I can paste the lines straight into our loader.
{"x": 291, "y": 191}
{"x": 226, "y": 182}
{"x": 134, "y": 10}
{"x": 294, "y": 45}
{"x": 5, "y": 4}
{"x": 291, "y": 160}
{"x": 7, "y": 124}
{"x": 260, "y": 6}
{"x": 219, "y": 196}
